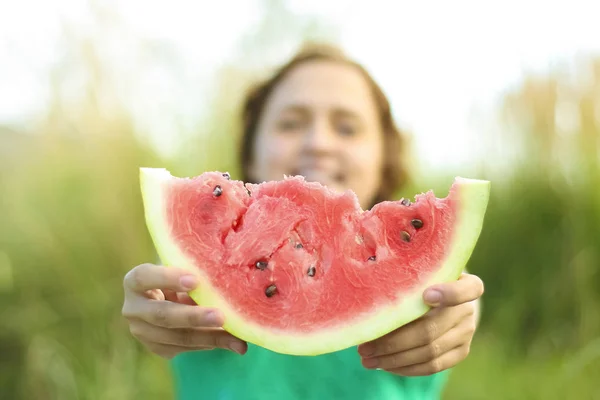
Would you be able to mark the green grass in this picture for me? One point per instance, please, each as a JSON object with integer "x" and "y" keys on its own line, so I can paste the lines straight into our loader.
{"x": 491, "y": 373}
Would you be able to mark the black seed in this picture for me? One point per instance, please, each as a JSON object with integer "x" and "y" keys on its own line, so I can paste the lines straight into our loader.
{"x": 271, "y": 290}
{"x": 405, "y": 236}
{"x": 298, "y": 245}
{"x": 226, "y": 175}
{"x": 417, "y": 223}
{"x": 248, "y": 191}
{"x": 372, "y": 258}
{"x": 405, "y": 202}
{"x": 311, "y": 271}
{"x": 218, "y": 191}
{"x": 262, "y": 265}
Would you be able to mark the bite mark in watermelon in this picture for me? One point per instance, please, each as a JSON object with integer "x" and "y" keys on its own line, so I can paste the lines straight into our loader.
{"x": 300, "y": 269}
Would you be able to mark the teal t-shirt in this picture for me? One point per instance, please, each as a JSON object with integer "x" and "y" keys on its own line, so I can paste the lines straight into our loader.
{"x": 262, "y": 374}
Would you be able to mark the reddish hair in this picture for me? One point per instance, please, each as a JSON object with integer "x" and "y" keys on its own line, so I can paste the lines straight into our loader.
{"x": 393, "y": 172}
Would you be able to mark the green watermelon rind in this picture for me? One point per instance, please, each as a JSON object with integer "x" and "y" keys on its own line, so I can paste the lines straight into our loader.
{"x": 473, "y": 197}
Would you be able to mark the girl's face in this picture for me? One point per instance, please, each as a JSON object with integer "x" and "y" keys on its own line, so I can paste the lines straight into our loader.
{"x": 321, "y": 122}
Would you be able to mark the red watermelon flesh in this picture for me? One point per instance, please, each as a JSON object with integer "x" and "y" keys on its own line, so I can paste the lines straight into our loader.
{"x": 301, "y": 269}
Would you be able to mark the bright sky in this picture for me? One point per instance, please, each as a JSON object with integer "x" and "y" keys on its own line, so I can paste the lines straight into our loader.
{"x": 438, "y": 61}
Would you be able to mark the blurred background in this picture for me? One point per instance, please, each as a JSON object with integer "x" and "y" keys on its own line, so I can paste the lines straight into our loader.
{"x": 92, "y": 90}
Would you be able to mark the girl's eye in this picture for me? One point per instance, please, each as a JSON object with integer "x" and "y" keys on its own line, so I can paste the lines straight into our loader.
{"x": 346, "y": 129}
{"x": 289, "y": 125}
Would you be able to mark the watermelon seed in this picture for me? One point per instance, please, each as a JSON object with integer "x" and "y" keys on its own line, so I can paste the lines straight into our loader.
{"x": 271, "y": 290}
{"x": 311, "y": 271}
{"x": 226, "y": 175}
{"x": 372, "y": 258}
{"x": 405, "y": 236}
{"x": 405, "y": 202}
{"x": 417, "y": 223}
{"x": 262, "y": 265}
{"x": 218, "y": 191}
{"x": 248, "y": 191}
{"x": 298, "y": 245}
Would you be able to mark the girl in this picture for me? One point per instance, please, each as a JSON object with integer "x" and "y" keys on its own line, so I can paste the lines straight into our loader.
{"x": 321, "y": 116}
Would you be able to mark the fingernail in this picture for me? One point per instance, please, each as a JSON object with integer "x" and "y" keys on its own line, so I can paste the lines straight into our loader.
{"x": 188, "y": 282}
{"x": 366, "y": 349}
{"x": 433, "y": 297}
{"x": 370, "y": 362}
{"x": 214, "y": 318}
{"x": 237, "y": 347}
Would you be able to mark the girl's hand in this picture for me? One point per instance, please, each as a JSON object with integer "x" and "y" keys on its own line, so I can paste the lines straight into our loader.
{"x": 165, "y": 319}
{"x": 437, "y": 341}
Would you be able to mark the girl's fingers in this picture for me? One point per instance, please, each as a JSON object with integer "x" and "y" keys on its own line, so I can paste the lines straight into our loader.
{"x": 447, "y": 360}
{"x": 188, "y": 338}
{"x": 172, "y": 315}
{"x": 146, "y": 277}
{"x": 466, "y": 289}
{"x": 420, "y": 332}
{"x": 455, "y": 337}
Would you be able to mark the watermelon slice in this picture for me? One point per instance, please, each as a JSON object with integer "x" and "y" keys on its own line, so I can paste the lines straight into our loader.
{"x": 300, "y": 269}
